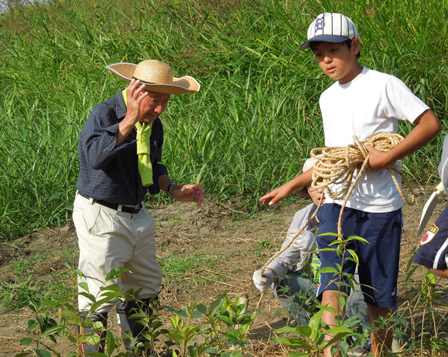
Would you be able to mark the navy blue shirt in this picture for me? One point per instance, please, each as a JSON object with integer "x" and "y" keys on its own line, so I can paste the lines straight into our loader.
{"x": 108, "y": 171}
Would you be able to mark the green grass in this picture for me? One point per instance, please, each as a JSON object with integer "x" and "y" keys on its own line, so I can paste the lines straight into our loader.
{"x": 248, "y": 130}
{"x": 29, "y": 284}
{"x": 174, "y": 266}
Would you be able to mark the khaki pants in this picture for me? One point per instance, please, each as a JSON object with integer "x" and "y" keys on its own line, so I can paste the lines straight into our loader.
{"x": 111, "y": 239}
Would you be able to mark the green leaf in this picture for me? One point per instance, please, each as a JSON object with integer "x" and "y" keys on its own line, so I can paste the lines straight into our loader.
{"x": 298, "y": 354}
{"x": 325, "y": 270}
{"x": 42, "y": 353}
{"x": 84, "y": 286}
{"x": 299, "y": 330}
{"x": 32, "y": 324}
{"x": 431, "y": 278}
{"x": 327, "y": 250}
{"x": 26, "y": 341}
{"x": 110, "y": 343}
{"x": 357, "y": 238}
{"x": 291, "y": 342}
{"x": 338, "y": 333}
{"x": 88, "y": 296}
{"x": 354, "y": 256}
{"x": 328, "y": 234}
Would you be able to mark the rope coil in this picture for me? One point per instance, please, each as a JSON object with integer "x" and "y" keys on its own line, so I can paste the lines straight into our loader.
{"x": 340, "y": 165}
{"x": 344, "y": 166}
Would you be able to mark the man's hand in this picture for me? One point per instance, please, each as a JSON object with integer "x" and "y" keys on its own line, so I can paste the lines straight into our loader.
{"x": 188, "y": 193}
{"x": 277, "y": 195}
{"x": 135, "y": 94}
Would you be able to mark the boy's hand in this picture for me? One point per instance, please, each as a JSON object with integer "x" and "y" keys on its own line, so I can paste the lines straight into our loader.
{"x": 190, "y": 192}
{"x": 379, "y": 159}
{"x": 276, "y": 195}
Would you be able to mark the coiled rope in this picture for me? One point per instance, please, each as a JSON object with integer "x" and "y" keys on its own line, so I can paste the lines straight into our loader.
{"x": 340, "y": 165}
{"x": 343, "y": 166}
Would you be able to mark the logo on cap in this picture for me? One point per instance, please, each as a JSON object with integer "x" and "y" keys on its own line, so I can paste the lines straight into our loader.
{"x": 319, "y": 24}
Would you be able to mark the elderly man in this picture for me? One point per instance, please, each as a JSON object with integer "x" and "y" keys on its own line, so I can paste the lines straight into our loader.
{"x": 120, "y": 152}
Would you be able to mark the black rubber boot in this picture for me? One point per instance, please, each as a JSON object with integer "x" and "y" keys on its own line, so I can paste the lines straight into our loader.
{"x": 132, "y": 328}
{"x": 86, "y": 328}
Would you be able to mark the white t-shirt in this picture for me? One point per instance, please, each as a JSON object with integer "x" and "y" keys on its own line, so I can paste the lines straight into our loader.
{"x": 371, "y": 103}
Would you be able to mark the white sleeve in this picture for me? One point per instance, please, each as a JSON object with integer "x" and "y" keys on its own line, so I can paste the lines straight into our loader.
{"x": 399, "y": 102}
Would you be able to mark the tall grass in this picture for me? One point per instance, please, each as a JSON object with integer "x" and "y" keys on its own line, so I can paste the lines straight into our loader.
{"x": 251, "y": 126}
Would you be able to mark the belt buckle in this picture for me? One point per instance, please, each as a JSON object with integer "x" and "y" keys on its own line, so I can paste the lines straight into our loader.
{"x": 136, "y": 208}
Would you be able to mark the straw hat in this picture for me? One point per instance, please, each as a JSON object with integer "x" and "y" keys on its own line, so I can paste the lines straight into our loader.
{"x": 157, "y": 76}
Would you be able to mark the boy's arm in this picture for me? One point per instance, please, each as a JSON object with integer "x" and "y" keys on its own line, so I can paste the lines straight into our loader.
{"x": 297, "y": 183}
{"x": 427, "y": 127}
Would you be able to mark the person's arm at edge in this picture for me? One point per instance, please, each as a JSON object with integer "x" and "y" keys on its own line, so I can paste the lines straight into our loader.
{"x": 297, "y": 183}
{"x": 426, "y": 128}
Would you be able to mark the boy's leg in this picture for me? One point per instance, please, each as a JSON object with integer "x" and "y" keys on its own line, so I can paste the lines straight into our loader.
{"x": 378, "y": 270}
{"x": 330, "y": 299}
{"x": 333, "y": 284}
{"x": 381, "y": 339}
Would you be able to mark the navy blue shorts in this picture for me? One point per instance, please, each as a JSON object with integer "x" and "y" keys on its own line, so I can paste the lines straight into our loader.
{"x": 433, "y": 250}
{"x": 378, "y": 260}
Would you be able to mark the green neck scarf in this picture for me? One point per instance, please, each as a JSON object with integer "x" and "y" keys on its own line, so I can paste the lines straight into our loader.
{"x": 143, "y": 149}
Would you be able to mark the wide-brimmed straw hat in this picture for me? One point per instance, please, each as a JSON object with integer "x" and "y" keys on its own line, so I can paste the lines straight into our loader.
{"x": 157, "y": 77}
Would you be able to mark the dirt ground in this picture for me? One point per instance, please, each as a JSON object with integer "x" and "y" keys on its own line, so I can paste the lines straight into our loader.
{"x": 205, "y": 251}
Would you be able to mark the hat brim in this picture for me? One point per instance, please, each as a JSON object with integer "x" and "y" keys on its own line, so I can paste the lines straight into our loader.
{"x": 324, "y": 38}
{"x": 185, "y": 84}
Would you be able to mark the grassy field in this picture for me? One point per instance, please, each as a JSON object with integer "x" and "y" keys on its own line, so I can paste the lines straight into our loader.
{"x": 204, "y": 252}
{"x": 250, "y": 127}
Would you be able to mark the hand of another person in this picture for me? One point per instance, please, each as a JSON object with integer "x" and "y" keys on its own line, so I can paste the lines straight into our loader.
{"x": 135, "y": 94}
{"x": 378, "y": 159}
{"x": 262, "y": 280}
{"x": 316, "y": 195}
{"x": 276, "y": 195}
{"x": 189, "y": 193}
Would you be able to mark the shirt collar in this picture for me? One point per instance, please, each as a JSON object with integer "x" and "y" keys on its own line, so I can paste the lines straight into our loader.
{"x": 120, "y": 106}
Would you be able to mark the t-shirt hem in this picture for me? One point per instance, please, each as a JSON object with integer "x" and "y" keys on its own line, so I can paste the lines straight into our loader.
{"x": 369, "y": 208}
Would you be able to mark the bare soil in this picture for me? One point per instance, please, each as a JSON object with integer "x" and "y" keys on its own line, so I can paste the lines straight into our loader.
{"x": 226, "y": 246}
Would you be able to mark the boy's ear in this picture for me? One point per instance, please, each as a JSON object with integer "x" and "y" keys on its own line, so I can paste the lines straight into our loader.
{"x": 356, "y": 45}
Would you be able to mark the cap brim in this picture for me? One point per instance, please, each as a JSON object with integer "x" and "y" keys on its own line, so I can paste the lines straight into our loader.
{"x": 324, "y": 38}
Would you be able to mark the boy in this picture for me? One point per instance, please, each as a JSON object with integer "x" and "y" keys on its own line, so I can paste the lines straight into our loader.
{"x": 360, "y": 103}
{"x": 433, "y": 250}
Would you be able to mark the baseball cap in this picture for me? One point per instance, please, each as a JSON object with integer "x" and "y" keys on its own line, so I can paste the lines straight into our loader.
{"x": 330, "y": 27}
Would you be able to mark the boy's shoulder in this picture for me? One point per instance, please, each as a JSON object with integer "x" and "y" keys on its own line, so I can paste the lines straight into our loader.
{"x": 368, "y": 78}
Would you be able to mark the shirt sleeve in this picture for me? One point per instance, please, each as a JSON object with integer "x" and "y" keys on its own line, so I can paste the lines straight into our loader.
{"x": 99, "y": 138}
{"x": 400, "y": 103}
